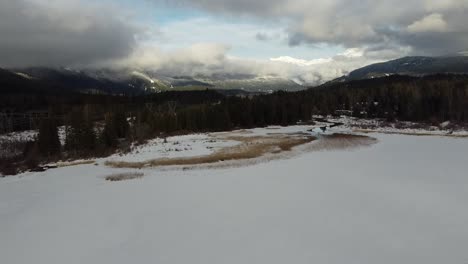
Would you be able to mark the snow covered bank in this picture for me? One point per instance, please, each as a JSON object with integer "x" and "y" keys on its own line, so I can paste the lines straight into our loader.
{"x": 405, "y": 128}
{"x": 245, "y": 148}
{"x": 402, "y": 200}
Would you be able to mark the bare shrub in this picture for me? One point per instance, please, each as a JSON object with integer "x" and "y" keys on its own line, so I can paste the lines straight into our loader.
{"x": 142, "y": 132}
{"x": 8, "y": 168}
{"x": 11, "y": 148}
{"x": 17, "y": 156}
{"x": 32, "y": 156}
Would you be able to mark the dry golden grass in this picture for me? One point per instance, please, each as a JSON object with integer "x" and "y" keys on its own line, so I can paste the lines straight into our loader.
{"x": 75, "y": 163}
{"x": 253, "y": 147}
{"x": 238, "y": 132}
{"x": 124, "y": 177}
{"x": 342, "y": 142}
{"x": 250, "y": 148}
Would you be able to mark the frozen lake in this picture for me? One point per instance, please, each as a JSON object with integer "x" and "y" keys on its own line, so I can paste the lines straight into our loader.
{"x": 402, "y": 200}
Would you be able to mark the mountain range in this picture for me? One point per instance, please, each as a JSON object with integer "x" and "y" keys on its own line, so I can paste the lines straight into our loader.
{"x": 410, "y": 66}
{"x": 129, "y": 81}
{"x": 137, "y": 82}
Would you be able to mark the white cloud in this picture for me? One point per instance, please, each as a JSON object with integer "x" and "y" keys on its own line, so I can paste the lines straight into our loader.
{"x": 444, "y": 5}
{"x": 317, "y": 71}
{"x": 185, "y": 60}
{"x": 353, "y": 23}
{"x": 310, "y": 40}
{"x": 431, "y": 23}
{"x": 301, "y": 62}
{"x": 353, "y": 53}
{"x": 210, "y": 59}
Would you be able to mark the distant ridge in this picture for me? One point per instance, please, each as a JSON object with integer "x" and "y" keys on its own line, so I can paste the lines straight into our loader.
{"x": 411, "y": 66}
{"x": 133, "y": 82}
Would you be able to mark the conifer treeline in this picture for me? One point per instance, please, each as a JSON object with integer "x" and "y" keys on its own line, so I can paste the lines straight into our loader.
{"x": 434, "y": 98}
{"x": 99, "y": 128}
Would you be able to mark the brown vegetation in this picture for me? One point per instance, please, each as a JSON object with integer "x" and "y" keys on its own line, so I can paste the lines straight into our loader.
{"x": 124, "y": 176}
{"x": 75, "y": 163}
{"x": 342, "y": 142}
{"x": 250, "y": 148}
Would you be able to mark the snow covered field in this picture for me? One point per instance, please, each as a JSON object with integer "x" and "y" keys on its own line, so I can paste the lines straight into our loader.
{"x": 402, "y": 200}
{"x": 179, "y": 146}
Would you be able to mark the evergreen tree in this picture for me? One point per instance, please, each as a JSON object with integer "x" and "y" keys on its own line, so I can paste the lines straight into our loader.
{"x": 80, "y": 132}
{"x": 109, "y": 136}
{"x": 120, "y": 123}
{"x": 48, "y": 139}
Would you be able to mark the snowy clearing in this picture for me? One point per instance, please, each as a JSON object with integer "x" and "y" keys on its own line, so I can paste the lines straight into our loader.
{"x": 243, "y": 148}
{"x": 175, "y": 147}
{"x": 401, "y": 200}
{"x": 187, "y": 149}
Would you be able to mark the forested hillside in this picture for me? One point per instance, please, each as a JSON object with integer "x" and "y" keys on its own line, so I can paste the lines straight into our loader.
{"x": 99, "y": 124}
{"x": 427, "y": 99}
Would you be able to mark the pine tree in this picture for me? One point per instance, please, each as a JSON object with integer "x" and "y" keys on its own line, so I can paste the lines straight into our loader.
{"x": 120, "y": 124}
{"x": 48, "y": 139}
{"x": 80, "y": 132}
{"x": 109, "y": 136}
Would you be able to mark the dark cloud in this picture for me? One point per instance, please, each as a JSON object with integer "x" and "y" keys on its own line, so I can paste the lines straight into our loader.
{"x": 296, "y": 39}
{"x": 247, "y": 7}
{"x": 67, "y": 34}
{"x": 80, "y": 33}
{"x": 437, "y": 43}
{"x": 432, "y": 27}
{"x": 262, "y": 36}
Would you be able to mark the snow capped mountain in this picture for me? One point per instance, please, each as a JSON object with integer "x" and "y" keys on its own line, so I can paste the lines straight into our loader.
{"x": 24, "y": 75}
{"x": 141, "y": 81}
{"x": 132, "y": 81}
{"x": 411, "y": 66}
{"x": 255, "y": 84}
{"x": 349, "y": 53}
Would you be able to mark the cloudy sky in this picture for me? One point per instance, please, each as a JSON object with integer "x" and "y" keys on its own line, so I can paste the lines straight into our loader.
{"x": 311, "y": 41}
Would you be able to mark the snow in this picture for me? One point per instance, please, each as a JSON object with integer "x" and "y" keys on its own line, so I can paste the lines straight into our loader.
{"x": 445, "y": 124}
{"x": 30, "y": 135}
{"x": 24, "y": 75}
{"x": 176, "y": 147}
{"x": 197, "y": 144}
{"x": 12, "y": 144}
{"x": 267, "y": 131}
{"x": 381, "y": 126}
{"x": 402, "y": 200}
